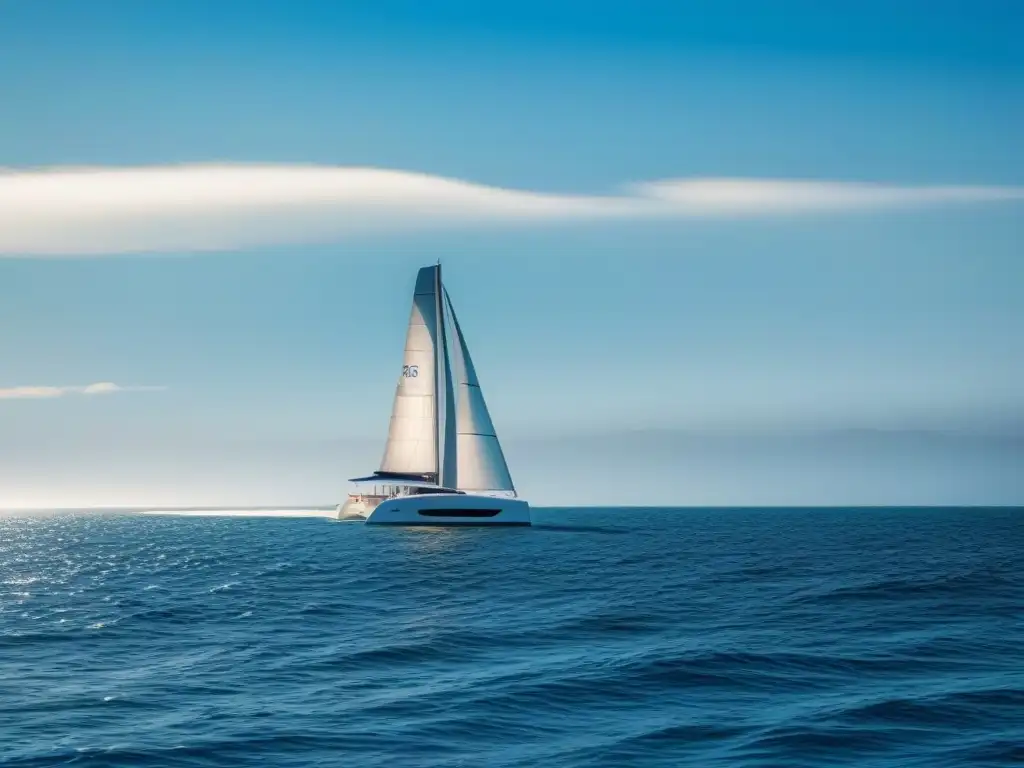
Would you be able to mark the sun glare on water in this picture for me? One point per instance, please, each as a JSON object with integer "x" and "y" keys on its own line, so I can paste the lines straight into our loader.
{"x": 241, "y": 512}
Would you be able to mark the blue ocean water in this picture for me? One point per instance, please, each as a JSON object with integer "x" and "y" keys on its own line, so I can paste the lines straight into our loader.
{"x": 861, "y": 637}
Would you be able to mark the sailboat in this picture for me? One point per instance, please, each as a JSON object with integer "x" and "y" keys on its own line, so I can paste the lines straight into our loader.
{"x": 442, "y": 464}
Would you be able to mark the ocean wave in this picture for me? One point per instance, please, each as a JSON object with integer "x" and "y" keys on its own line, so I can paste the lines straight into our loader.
{"x": 702, "y": 640}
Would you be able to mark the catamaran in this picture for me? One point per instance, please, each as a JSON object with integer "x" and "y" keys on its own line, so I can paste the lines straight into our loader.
{"x": 443, "y": 464}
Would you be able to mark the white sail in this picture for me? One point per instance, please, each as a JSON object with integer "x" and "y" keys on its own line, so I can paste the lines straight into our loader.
{"x": 412, "y": 446}
{"x": 481, "y": 463}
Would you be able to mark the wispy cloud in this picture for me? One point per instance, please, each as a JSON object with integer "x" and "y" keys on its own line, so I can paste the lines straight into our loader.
{"x": 45, "y": 393}
{"x": 95, "y": 211}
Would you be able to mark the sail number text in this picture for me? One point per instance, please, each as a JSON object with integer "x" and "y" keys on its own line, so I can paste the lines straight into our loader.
{"x": 410, "y": 371}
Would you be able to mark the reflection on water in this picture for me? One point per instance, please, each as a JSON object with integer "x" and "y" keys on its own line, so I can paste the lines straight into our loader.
{"x": 428, "y": 538}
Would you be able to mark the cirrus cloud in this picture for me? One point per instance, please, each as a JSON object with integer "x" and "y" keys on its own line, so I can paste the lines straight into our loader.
{"x": 50, "y": 392}
{"x": 192, "y": 208}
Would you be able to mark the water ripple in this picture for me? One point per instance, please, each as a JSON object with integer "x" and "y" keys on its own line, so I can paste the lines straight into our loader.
{"x": 598, "y": 638}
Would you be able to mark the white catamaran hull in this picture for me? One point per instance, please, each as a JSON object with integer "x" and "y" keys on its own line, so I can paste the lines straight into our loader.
{"x": 450, "y": 509}
{"x": 357, "y": 507}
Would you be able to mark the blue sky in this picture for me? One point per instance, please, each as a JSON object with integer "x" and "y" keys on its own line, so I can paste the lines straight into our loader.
{"x": 705, "y": 359}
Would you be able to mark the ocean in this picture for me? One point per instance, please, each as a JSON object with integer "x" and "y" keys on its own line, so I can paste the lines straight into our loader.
{"x": 600, "y": 637}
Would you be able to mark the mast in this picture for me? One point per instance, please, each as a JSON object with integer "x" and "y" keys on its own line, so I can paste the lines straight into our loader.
{"x": 446, "y": 448}
{"x": 439, "y": 324}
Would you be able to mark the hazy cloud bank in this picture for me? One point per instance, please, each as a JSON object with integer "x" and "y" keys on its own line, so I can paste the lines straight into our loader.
{"x": 190, "y": 208}
{"x": 47, "y": 392}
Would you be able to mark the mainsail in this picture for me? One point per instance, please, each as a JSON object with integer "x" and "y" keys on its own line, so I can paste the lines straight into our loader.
{"x": 412, "y": 447}
{"x": 481, "y": 463}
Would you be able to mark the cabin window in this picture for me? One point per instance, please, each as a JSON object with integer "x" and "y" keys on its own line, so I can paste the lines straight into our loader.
{"x": 459, "y": 512}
